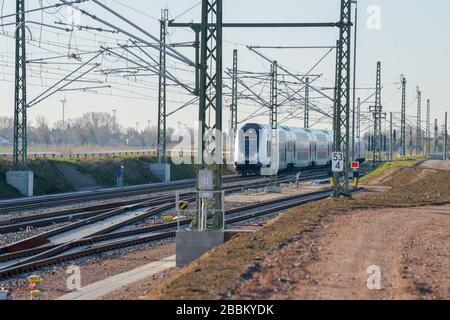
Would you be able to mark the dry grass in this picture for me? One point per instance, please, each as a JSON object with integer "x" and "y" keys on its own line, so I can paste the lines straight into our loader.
{"x": 220, "y": 272}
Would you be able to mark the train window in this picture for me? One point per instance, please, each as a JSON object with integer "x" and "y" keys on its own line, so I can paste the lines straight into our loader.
{"x": 303, "y": 156}
{"x": 322, "y": 155}
{"x": 247, "y": 148}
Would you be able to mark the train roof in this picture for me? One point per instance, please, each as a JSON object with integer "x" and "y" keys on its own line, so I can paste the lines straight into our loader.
{"x": 293, "y": 129}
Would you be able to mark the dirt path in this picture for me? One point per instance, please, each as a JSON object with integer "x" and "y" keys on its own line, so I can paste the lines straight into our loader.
{"x": 411, "y": 247}
{"x": 437, "y": 164}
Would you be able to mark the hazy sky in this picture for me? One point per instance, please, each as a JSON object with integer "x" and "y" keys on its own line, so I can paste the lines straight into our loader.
{"x": 413, "y": 40}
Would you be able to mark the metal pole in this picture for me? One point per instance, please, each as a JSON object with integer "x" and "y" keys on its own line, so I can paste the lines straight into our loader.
{"x": 358, "y": 125}
{"x": 162, "y": 94}
{"x": 197, "y": 61}
{"x": 377, "y": 117}
{"x": 274, "y": 96}
{"x": 410, "y": 141}
{"x": 403, "y": 119}
{"x": 446, "y": 138}
{"x": 335, "y": 96}
{"x": 391, "y": 141}
{"x": 428, "y": 133}
{"x": 63, "y": 102}
{"x": 354, "y": 79}
{"x": 342, "y": 112}
{"x": 20, "y": 101}
{"x": 436, "y": 137}
{"x": 211, "y": 100}
{"x": 419, "y": 122}
{"x": 234, "y": 93}
{"x": 306, "y": 117}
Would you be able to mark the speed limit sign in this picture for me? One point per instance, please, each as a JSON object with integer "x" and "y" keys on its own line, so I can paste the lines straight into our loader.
{"x": 338, "y": 162}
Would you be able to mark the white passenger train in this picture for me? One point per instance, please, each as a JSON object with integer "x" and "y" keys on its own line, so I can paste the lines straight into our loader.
{"x": 297, "y": 148}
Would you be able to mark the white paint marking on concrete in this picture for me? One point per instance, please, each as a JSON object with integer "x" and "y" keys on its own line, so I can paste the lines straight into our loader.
{"x": 102, "y": 288}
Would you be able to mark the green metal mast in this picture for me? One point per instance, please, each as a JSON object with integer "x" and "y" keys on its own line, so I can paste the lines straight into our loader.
{"x": 391, "y": 139}
{"x": 20, "y": 101}
{"x": 342, "y": 104}
{"x": 446, "y": 137}
{"x": 306, "y": 117}
{"x": 436, "y": 137}
{"x": 162, "y": 95}
{"x": 358, "y": 119}
{"x": 403, "y": 119}
{"x": 419, "y": 122}
{"x": 428, "y": 133}
{"x": 234, "y": 93}
{"x": 274, "y": 96}
{"x": 210, "y": 106}
{"x": 377, "y": 111}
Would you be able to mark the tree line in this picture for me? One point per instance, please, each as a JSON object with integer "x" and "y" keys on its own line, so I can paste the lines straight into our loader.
{"x": 93, "y": 128}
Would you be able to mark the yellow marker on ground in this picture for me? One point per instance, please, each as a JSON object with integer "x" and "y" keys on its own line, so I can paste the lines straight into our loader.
{"x": 36, "y": 295}
{"x": 168, "y": 218}
{"x": 34, "y": 279}
{"x": 184, "y": 205}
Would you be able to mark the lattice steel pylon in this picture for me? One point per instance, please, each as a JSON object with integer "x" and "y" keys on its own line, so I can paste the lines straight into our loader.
{"x": 428, "y": 133}
{"x": 403, "y": 119}
{"x": 335, "y": 118}
{"x": 358, "y": 120}
{"x": 342, "y": 103}
{"x": 274, "y": 96}
{"x": 210, "y": 106}
{"x": 20, "y": 99}
{"x": 162, "y": 94}
{"x": 446, "y": 137}
{"x": 436, "y": 137}
{"x": 306, "y": 115}
{"x": 377, "y": 111}
{"x": 234, "y": 93}
{"x": 419, "y": 122}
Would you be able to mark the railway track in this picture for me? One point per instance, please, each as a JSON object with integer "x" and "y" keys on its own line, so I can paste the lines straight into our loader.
{"x": 18, "y": 258}
{"x": 87, "y": 212}
{"x": 12, "y": 264}
{"x": 9, "y": 206}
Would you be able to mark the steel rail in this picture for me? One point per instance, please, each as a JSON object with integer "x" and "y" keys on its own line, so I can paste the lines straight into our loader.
{"x": 20, "y": 223}
{"x": 44, "y": 258}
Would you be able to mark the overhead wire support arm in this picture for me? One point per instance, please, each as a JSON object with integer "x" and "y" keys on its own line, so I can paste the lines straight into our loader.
{"x": 56, "y": 5}
{"x": 39, "y": 99}
{"x": 291, "y": 74}
{"x": 171, "y": 52}
{"x": 259, "y": 25}
{"x": 293, "y": 47}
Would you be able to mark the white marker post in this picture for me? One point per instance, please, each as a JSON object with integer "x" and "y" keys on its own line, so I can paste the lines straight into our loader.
{"x": 338, "y": 162}
{"x": 297, "y": 178}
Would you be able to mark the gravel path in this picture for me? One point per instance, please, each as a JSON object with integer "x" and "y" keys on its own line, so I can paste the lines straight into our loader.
{"x": 411, "y": 248}
{"x": 437, "y": 164}
{"x": 93, "y": 269}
